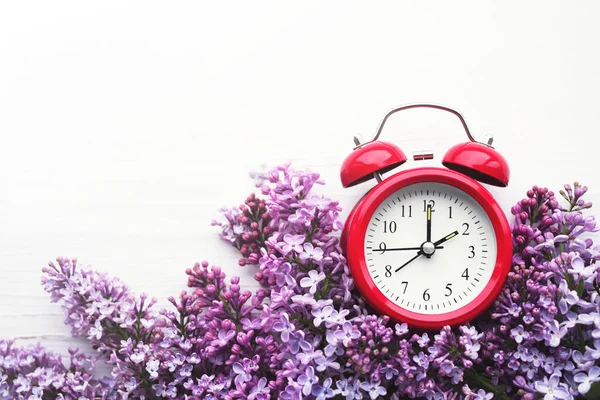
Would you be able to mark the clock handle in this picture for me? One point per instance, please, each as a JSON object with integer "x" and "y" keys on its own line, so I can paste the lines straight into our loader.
{"x": 443, "y": 108}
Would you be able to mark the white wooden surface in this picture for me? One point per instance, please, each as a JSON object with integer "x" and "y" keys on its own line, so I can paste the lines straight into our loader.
{"x": 125, "y": 126}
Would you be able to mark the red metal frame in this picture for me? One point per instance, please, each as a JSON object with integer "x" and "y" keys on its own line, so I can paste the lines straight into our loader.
{"x": 353, "y": 239}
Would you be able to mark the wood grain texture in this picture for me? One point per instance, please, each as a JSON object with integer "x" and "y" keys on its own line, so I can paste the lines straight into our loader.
{"x": 125, "y": 127}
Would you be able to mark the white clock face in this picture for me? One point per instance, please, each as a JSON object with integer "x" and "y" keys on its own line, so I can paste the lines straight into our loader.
{"x": 432, "y": 275}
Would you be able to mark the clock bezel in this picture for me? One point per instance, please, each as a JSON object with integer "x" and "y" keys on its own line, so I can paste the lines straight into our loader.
{"x": 353, "y": 239}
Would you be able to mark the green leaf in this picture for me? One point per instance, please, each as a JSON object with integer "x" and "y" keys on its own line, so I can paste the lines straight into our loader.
{"x": 594, "y": 392}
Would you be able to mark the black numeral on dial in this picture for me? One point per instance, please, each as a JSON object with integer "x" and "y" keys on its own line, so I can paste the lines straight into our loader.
{"x": 388, "y": 271}
{"x": 389, "y": 227}
{"x": 471, "y": 251}
{"x": 431, "y": 203}
{"x": 426, "y": 295}
{"x": 409, "y": 213}
{"x": 465, "y": 274}
{"x": 466, "y": 231}
{"x": 448, "y": 290}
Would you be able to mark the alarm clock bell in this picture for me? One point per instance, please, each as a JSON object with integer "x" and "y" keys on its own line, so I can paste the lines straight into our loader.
{"x": 476, "y": 160}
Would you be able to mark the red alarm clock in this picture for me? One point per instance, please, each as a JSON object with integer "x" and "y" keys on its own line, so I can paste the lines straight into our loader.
{"x": 428, "y": 246}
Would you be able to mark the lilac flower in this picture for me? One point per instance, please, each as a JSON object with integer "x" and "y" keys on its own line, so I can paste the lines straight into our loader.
{"x": 249, "y": 324}
{"x": 569, "y": 297}
{"x": 347, "y": 333}
{"x": 171, "y": 390}
{"x": 551, "y": 241}
{"x": 131, "y": 384}
{"x": 301, "y": 216}
{"x": 297, "y": 342}
{"x": 323, "y": 391}
{"x": 373, "y": 389}
{"x": 312, "y": 280}
{"x": 292, "y": 243}
{"x": 448, "y": 368}
{"x": 422, "y": 360}
{"x": 321, "y": 314}
{"x": 355, "y": 392}
{"x": 311, "y": 253}
{"x": 343, "y": 388}
{"x": 389, "y": 372}
{"x": 586, "y": 380}
{"x": 306, "y": 299}
{"x": 593, "y": 353}
{"x": 483, "y": 395}
{"x": 283, "y": 275}
{"x": 36, "y": 393}
{"x": 554, "y": 334}
{"x": 186, "y": 371}
{"x": 324, "y": 363}
{"x": 536, "y": 358}
{"x": 224, "y": 338}
{"x": 552, "y": 388}
{"x": 260, "y": 391}
{"x": 519, "y": 334}
{"x": 471, "y": 350}
{"x": 242, "y": 374}
{"x": 333, "y": 344}
{"x": 283, "y": 326}
{"x": 260, "y": 177}
{"x": 152, "y": 367}
{"x": 401, "y": 329}
{"x": 579, "y": 269}
{"x": 307, "y": 356}
{"x": 96, "y": 330}
{"x": 307, "y": 380}
{"x": 528, "y": 319}
{"x": 514, "y": 310}
{"x": 592, "y": 319}
{"x": 423, "y": 340}
{"x": 336, "y": 318}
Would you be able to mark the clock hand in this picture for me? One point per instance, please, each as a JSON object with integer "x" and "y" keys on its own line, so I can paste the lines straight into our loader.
{"x": 428, "y": 227}
{"x": 403, "y": 248}
{"x": 420, "y": 253}
{"x": 447, "y": 237}
{"x": 429, "y": 223}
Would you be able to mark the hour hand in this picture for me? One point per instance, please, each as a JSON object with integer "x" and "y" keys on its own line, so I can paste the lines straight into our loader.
{"x": 446, "y": 238}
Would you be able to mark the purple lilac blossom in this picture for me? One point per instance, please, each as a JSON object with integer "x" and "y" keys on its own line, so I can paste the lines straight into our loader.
{"x": 308, "y": 334}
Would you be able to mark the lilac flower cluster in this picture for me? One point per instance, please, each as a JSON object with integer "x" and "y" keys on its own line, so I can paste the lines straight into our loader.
{"x": 34, "y": 373}
{"x": 545, "y": 325}
{"x": 308, "y": 334}
{"x": 541, "y": 337}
